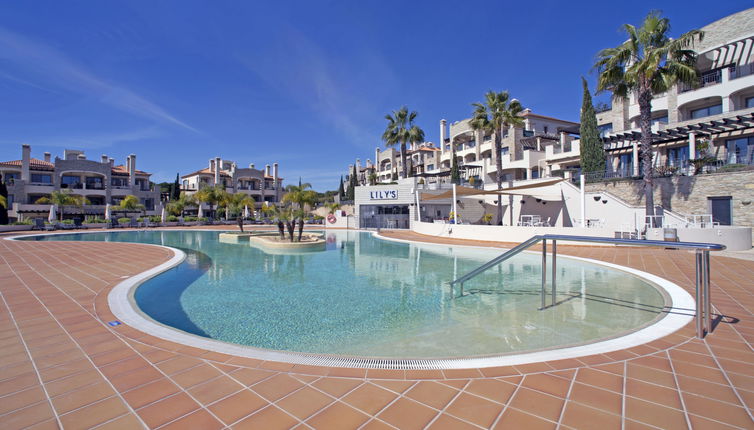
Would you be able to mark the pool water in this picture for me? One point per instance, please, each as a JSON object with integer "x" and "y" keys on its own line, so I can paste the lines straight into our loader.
{"x": 364, "y": 296}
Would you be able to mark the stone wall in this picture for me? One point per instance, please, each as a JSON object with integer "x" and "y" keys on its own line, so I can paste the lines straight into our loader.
{"x": 688, "y": 194}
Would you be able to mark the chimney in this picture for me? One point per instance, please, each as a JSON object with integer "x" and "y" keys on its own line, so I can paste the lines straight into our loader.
{"x": 358, "y": 164}
{"x": 104, "y": 159}
{"x": 211, "y": 165}
{"x": 25, "y": 162}
{"x": 443, "y": 135}
{"x": 132, "y": 169}
{"x": 47, "y": 157}
{"x": 251, "y": 165}
{"x": 267, "y": 170}
{"x": 112, "y": 162}
{"x": 218, "y": 167}
{"x": 369, "y": 163}
{"x": 275, "y": 175}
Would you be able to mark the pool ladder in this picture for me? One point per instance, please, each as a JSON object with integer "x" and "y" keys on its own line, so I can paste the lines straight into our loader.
{"x": 703, "y": 306}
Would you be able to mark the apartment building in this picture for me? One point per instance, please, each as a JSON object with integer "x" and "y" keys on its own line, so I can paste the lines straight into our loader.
{"x": 100, "y": 181}
{"x": 714, "y": 118}
{"x": 263, "y": 185}
{"x": 524, "y": 153}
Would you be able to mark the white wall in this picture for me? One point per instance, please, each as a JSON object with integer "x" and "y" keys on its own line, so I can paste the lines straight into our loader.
{"x": 733, "y": 237}
{"x": 498, "y": 233}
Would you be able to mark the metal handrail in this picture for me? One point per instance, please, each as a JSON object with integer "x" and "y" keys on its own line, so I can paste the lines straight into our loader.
{"x": 703, "y": 313}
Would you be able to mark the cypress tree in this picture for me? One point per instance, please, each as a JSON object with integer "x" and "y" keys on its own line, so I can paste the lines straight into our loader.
{"x": 455, "y": 174}
{"x": 592, "y": 150}
{"x": 176, "y": 191}
{"x": 350, "y": 193}
{"x": 341, "y": 191}
{"x": 4, "y": 211}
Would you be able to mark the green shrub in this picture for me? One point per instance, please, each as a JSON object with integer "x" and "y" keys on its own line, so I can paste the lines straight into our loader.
{"x": 25, "y": 222}
{"x": 124, "y": 220}
{"x": 155, "y": 218}
{"x": 67, "y": 221}
{"x": 140, "y": 219}
{"x": 93, "y": 220}
{"x": 172, "y": 218}
{"x": 203, "y": 219}
{"x": 190, "y": 218}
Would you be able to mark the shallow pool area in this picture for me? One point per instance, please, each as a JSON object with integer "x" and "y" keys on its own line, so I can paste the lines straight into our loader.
{"x": 369, "y": 297}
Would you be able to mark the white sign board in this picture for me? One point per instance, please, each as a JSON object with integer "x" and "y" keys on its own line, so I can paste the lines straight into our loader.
{"x": 383, "y": 195}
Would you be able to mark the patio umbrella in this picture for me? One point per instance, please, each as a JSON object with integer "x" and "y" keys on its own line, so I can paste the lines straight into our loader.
{"x": 200, "y": 212}
{"x": 108, "y": 215}
{"x": 164, "y": 214}
{"x": 53, "y": 215}
{"x": 246, "y": 211}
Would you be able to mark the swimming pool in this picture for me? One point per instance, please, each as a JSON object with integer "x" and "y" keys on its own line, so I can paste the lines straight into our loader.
{"x": 368, "y": 297}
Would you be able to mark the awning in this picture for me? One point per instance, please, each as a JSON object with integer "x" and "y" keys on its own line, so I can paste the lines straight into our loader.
{"x": 537, "y": 188}
{"x": 739, "y": 53}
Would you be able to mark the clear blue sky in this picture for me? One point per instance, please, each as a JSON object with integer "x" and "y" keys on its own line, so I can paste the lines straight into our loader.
{"x": 304, "y": 83}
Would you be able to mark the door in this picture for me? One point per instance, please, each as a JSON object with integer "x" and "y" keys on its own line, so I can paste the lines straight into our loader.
{"x": 720, "y": 208}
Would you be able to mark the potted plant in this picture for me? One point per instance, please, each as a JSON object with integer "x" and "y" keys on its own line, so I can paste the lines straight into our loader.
{"x": 487, "y": 218}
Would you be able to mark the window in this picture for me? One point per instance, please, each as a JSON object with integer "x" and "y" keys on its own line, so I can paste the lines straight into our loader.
{"x": 11, "y": 177}
{"x": 430, "y": 167}
{"x": 120, "y": 182}
{"x": 741, "y": 150}
{"x": 70, "y": 182}
{"x": 504, "y": 151}
{"x": 707, "y": 111}
{"x": 41, "y": 179}
{"x": 545, "y": 129}
{"x": 750, "y": 102}
{"x": 605, "y": 128}
{"x": 678, "y": 157}
{"x": 626, "y": 164}
{"x": 94, "y": 183}
{"x": 660, "y": 120}
{"x": 10, "y": 200}
{"x": 148, "y": 204}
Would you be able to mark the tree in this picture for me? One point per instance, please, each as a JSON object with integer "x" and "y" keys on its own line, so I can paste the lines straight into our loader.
{"x": 648, "y": 63}
{"x": 497, "y": 113}
{"x": 131, "y": 203}
{"x": 4, "y": 197}
{"x": 333, "y": 207}
{"x": 300, "y": 197}
{"x": 61, "y": 199}
{"x": 176, "y": 207}
{"x": 234, "y": 204}
{"x": 211, "y": 195}
{"x": 351, "y": 190}
{"x": 401, "y": 130}
{"x": 341, "y": 191}
{"x": 592, "y": 150}
{"x": 176, "y": 191}
{"x": 3, "y": 202}
{"x": 455, "y": 173}
{"x": 372, "y": 178}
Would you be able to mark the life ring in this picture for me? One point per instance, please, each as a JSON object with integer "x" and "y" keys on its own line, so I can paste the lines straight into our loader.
{"x": 331, "y": 219}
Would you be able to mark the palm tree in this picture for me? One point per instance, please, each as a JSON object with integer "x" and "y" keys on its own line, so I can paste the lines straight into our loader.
{"x": 61, "y": 199}
{"x": 401, "y": 130}
{"x": 211, "y": 195}
{"x": 235, "y": 203}
{"x": 497, "y": 113}
{"x": 301, "y": 196}
{"x": 648, "y": 63}
{"x": 3, "y": 202}
{"x": 176, "y": 207}
{"x": 333, "y": 207}
{"x": 130, "y": 203}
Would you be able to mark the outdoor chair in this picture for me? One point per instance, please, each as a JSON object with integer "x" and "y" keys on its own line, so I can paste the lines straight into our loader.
{"x": 79, "y": 223}
{"x": 133, "y": 223}
{"x": 114, "y": 223}
{"x": 39, "y": 224}
{"x": 50, "y": 227}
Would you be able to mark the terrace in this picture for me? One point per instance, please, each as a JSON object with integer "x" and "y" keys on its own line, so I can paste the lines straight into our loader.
{"x": 64, "y": 365}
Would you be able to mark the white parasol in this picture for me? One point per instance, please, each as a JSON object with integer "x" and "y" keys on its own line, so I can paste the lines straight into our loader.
{"x": 164, "y": 214}
{"x": 53, "y": 214}
{"x": 200, "y": 213}
{"x": 108, "y": 215}
{"x": 246, "y": 211}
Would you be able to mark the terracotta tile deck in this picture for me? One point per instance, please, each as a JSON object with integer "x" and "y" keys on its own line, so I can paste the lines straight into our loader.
{"x": 61, "y": 365}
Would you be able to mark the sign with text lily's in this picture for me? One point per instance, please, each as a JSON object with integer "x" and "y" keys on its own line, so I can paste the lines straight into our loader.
{"x": 383, "y": 195}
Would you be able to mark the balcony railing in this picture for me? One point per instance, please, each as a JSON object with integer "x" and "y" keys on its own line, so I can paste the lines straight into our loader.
{"x": 741, "y": 71}
{"x": 707, "y": 79}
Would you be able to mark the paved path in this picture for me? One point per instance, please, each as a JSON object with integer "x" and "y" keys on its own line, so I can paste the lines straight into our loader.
{"x": 61, "y": 365}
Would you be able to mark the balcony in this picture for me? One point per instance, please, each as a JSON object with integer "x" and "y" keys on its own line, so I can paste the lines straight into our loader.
{"x": 741, "y": 71}
{"x": 707, "y": 79}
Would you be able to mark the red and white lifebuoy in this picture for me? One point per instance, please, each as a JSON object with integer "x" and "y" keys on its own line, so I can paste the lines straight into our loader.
{"x": 331, "y": 219}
